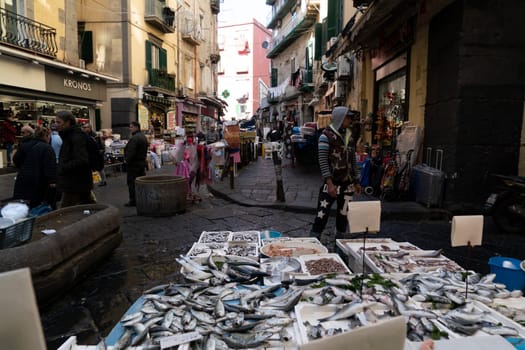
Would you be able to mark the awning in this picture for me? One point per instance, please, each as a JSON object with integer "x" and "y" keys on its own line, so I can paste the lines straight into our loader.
{"x": 375, "y": 19}
{"x": 213, "y": 101}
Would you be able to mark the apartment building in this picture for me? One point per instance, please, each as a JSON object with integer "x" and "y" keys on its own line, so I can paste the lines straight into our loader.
{"x": 42, "y": 70}
{"x": 164, "y": 52}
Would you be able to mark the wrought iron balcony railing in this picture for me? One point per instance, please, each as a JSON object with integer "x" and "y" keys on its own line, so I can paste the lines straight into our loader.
{"x": 161, "y": 79}
{"x": 27, "y": 34}
{"x": 160, "y": 16}
{"x": 215, "y": 6}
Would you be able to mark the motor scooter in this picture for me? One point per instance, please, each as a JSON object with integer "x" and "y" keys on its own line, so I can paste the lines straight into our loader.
{"x": 506, "y": 203}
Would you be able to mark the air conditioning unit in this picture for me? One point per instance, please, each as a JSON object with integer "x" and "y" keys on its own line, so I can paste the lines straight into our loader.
{"x": 339, "y": 90}
{"x": 343, "y": 68}
{"x": 82, "y": 63}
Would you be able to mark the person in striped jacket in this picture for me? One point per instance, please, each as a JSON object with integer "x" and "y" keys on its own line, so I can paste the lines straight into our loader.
{"x": 337, "y": 161}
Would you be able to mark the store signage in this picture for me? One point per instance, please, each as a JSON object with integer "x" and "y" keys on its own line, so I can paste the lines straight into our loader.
{"x": 75, "y": 84}
{"x": 62, "y": 83}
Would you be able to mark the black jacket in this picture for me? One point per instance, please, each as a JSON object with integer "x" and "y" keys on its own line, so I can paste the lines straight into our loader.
{"x": 74, "y": 173}
{"x": 36, "y": 163}
{"x": 135, "y": 153}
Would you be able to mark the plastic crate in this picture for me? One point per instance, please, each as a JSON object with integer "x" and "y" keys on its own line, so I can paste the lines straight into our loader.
{"x": 14, "y": 235}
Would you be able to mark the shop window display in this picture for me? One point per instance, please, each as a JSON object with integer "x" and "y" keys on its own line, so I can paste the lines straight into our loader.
{"x": 391, "y": 109}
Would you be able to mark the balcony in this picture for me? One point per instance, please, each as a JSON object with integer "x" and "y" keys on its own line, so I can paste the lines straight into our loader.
{"x": 160, "y": 16}
{"x": 279, "y": 11}
{"x": 270, "y": 2}
{"x": 215, "y": 6}
{"x": 307, "y": 79}
{"x": 26, "y": 34}
{"x": 215, "y": 58}
{"x": 161, "y": 79}
{"x": 299, "y": 23}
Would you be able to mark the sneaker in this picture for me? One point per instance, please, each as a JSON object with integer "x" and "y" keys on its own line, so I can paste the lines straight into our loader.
{"x": 130, "y": 204}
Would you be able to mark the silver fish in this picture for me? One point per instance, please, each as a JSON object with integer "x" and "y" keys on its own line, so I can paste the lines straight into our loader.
{"x": 504, "y": 331}
{"x": 348, "y": 310}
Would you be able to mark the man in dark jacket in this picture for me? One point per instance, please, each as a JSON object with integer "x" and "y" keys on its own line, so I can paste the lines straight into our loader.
{"x": 9, "y": 136}
{"x": 74, "y": 177}
{"x": 135, "y": 156}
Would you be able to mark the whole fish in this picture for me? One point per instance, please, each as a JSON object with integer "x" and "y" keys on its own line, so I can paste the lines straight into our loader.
{"x": 348, "y": 310}
{"x": 243, "y": 341}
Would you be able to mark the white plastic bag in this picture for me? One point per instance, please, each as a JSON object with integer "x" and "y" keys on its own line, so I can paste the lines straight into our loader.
{"x": 15, "y": 211}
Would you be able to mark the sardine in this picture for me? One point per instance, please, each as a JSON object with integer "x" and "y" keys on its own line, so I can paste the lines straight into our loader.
{"x": 348, "y": 310}
{"x": 243, "y": 341}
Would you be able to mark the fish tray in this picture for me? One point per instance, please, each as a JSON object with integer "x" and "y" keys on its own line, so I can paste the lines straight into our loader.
{"x": 307, "y": 260}
{"x": 202, "y": 250}
{"x": 289, "y": 248}
{"x": 17, "y": 234}
{"x": 248, "y": 250}
{"x": 309, "y": 240}
{"x": 215, "y": 237}
{"x": 246, "y": 236}
{"x": 416, "y": 261}
{"x": 350, "y": 250}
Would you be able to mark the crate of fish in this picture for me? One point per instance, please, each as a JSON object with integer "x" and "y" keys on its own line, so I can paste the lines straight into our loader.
{"x": 403, "y": 261}
{"x": 249, "y": 250}
{"x": 16, "y": 234}
{"x": 320, "y": 264}
{"x": 246, "y": 236}
{"x": 215, "y": 236}
{"x": 203, "y": 250}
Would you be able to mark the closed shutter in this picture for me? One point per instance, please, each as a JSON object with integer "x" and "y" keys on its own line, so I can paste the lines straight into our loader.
{"x": 318, "y": 41}
{"x": 148, "y": 60}
{"x": 163, "y": 59}
{"x": 308, "y": 66}
{"x": 274, "y": 77}
{"x": 334, "y": 18}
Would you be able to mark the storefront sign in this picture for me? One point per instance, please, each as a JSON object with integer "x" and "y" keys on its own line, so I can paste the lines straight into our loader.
{"x": 62, "y": 83}
{"x": 391, "y": 45}
{"x": 171, "y": 120}
{"x": 143, "y": 116}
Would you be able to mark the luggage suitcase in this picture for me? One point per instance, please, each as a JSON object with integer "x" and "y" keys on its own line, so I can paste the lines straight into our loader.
{"x": 429, "y": 184}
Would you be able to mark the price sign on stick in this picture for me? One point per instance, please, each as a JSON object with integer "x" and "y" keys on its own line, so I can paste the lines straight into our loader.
{"x": 364, "y": 216}
{"x": 467, "y": 230}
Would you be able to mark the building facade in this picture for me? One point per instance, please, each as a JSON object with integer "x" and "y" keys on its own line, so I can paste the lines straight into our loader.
{"x": 293, "y": 54}
{"x": 454, "y": 69}
{"x": 244, "y": 71}
{"x": 42, "y": 71}
{"x": 161, "y": 50}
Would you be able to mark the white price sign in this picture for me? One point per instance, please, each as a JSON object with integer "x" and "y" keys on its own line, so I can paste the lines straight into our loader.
{"x": 174, "y": 340}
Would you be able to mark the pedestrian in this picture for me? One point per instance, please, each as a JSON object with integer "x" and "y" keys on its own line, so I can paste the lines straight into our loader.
{"x": 336, "y": 156}
{"x": 27, "y": 133}
{"x": 275, "y": 135}
{"x": 88, "y": 129}
{"x": 135, "y": 154}
{"x": 9, "y": 136}
{"x": 56, "y": 140}
{"x": 212, "y": 135}
{"x": 74, "y": 176}
{"x": 37, "y": 169}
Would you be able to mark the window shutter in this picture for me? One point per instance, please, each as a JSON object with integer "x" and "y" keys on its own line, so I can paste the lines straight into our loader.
{"x": 274, "y": 77}
{"x": 324, "y": 36}
{"x": 318, "y": 41}
{"x": 334, "y": 18}
{"x": 148, "y": 56}
{"x": 86, "y": 47}
{"x": 163, "y": 59}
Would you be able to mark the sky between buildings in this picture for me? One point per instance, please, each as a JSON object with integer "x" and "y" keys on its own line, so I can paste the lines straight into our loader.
{"x": 242, "y": 11}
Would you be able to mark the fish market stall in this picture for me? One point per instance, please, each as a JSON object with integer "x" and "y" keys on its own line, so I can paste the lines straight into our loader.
{"x": 244, "y": 291}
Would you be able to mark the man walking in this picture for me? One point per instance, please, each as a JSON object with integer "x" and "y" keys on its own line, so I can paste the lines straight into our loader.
{"x": 336, "y": 155}
{"x": 135, "y": 156}
{"x": 9, "y": 136}
{"x": 74, "y": 177}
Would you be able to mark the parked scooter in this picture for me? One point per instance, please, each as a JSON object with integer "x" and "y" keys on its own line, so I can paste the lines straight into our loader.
{"x": 506, "y": 203}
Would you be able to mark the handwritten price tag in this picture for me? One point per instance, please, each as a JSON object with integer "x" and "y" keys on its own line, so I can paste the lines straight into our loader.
{"x": 174, "y": 340}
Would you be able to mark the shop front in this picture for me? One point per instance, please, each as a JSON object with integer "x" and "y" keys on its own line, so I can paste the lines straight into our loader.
{"x": 36, "y": 100}
{"x": 188, "y": 114}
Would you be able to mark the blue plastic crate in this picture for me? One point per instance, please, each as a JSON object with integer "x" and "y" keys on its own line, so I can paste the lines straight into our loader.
{"x": 508, "y": 271}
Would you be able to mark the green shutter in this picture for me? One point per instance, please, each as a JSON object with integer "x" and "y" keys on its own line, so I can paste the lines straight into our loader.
{"x": 334, "y": 18}
{"x": 318, "y": 41}
{"x": 324, "y": 36}
{"x": 86, "y": 48}
{"x": 274, "y": 77}
{"x": 163, "y": 59}
{"x": 148, "y": 55}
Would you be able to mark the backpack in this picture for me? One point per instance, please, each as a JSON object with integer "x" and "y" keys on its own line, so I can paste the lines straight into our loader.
{"x": 96, "y": 157}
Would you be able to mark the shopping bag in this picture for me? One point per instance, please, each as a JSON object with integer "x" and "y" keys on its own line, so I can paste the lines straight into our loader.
{"x": 96, "y": 177}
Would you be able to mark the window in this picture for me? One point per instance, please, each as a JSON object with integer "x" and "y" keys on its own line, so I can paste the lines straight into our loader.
{"x": 156, "y": 57}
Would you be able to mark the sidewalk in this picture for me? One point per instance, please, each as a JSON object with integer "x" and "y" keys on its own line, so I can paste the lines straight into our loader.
{"x": 255, "y": 185}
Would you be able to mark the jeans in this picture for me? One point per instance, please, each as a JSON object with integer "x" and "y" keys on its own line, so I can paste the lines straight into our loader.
{"x": 324, "y": 204}
{"x": 9, "y": 149}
